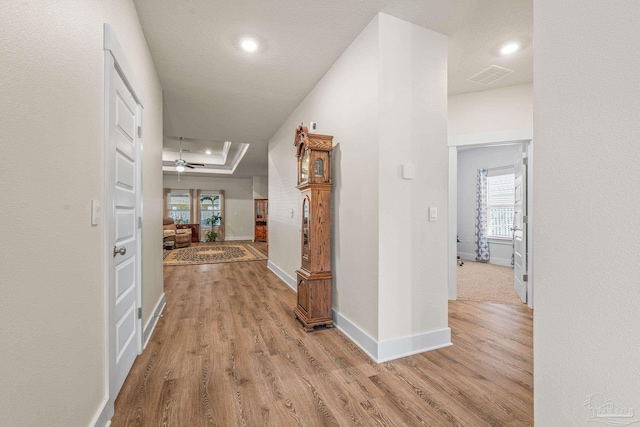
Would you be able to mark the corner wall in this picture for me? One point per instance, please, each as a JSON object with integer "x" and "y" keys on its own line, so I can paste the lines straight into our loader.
{"x": 413, "y": 130}
{"x": 344, "y": 104}
{"x": 52, "y": 266}
{"x": 586, "y": 132}
{"x": 384, "y": 100}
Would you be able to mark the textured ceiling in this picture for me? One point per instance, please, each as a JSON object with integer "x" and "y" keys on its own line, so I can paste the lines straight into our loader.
{"x": 216, "y": 92}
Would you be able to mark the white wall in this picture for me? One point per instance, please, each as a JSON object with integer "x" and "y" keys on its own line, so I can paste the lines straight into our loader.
{"x": 469, "y": 161}
{"x": 384, "y": 101}
{"x": 344, "y": 104}
{"x": 587, "y": 235}
{"x": 260, "y": 187}
{"x": 491, "y": 110}
{"x": 238, "y": 198}
{"x": 52, "y": 269}
{"x": 413, "y": 129}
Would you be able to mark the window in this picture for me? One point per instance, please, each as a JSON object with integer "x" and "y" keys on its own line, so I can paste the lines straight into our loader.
{"x": 500, "y": 199}
{"x": 209, "y": 206}
{"x": 178, "y": 206}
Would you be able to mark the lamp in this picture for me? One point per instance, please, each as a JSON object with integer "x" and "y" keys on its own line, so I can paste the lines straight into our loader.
{"x": 180, "y": 168}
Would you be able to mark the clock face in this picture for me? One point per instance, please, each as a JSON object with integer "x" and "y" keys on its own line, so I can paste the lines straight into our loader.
{"x": 304, "y": 169}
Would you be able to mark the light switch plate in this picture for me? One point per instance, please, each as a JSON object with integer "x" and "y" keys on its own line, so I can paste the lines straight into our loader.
{"x": 408, "y": 171}
{"x": 433, "y": 214}
{"x": 96, "y": 212}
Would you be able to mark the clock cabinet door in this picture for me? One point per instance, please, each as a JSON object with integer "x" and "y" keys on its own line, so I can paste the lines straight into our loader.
{"x": 303, "y": 294}
{"x": 306, "y": 232}
{"x": 304, "y": 166}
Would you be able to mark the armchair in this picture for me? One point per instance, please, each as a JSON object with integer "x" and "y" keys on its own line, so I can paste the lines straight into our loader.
{"x": 180, "y": 237}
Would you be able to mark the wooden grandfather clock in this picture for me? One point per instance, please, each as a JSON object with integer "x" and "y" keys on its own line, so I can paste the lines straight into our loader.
{"x": 314, "y": 276}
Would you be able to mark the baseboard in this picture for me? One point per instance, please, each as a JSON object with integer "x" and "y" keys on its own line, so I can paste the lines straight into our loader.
{"x": 230, "y": 239}
{"x": 103, "y": 416}
{"x": 392, "y": 349}
{"x": 153, "y": 321}
{"x": 290, "y": 281}
{"x": 357, "y": 335}
{"x": 493, "y": 260}
{"x": 501, "y": 261}
{"x": 466, "y": 256}
{"x": 406, "y": 346}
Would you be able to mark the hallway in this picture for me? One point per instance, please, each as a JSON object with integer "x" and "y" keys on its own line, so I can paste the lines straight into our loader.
{"x": 228, "y": 352}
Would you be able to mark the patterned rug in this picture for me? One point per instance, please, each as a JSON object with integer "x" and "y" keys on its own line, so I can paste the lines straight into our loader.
{"x": 212, "y": 254}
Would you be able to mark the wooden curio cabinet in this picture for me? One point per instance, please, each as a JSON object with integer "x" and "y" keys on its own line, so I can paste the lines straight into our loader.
{"x": 313, "y": 152}
{"x": 261, "y": 213}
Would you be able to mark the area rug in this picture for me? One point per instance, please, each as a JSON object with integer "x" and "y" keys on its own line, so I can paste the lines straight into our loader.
{"x": 479, "y": 281}
{"x": 212, "y": 254}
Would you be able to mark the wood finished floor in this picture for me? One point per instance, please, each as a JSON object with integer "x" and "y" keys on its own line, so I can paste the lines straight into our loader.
{"x": 228, "y": 352}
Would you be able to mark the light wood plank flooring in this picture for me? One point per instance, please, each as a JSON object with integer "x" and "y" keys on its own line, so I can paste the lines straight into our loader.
{"x": 228, "y": 352}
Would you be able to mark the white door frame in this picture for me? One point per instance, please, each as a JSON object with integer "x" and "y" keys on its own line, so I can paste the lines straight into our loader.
{"x": 524, "y": 136}
{"x": 116, "y": 62}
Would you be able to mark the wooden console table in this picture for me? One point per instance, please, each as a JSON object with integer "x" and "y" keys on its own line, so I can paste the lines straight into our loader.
{"x": 195, "y": 231}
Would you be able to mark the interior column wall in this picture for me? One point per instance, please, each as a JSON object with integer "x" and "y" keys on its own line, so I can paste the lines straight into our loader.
{"x": 586, "y": 129}
{"x": 413, "y": 130}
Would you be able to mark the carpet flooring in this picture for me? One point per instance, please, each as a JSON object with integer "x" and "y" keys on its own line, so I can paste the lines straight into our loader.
{"x": 213, "y": 253}
{"x": 478, "y": 281}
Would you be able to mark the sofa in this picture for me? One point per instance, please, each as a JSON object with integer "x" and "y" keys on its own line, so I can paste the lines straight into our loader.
{"x": 180, "y": 237}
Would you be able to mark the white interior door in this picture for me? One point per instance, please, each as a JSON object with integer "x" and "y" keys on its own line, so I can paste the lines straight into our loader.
{"x": 124, "y": 329}
{"x": 520, "y": 227}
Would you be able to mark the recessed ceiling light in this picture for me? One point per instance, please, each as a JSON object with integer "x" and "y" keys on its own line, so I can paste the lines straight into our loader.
{"x": 249, "y": 45}
{"x": 208, "y": 151}
{"x": 509, "y": 48}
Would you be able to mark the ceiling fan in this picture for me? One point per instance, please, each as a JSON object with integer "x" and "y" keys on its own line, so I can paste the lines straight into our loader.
{"x": 182, "y": 164}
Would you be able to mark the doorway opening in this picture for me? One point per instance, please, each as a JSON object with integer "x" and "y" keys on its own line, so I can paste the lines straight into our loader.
{"x": 490, "y": 206}
{"x": 486, "y": 189}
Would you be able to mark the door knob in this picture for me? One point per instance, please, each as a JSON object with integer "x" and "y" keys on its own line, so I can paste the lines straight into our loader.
{"x": 121, "y": 251}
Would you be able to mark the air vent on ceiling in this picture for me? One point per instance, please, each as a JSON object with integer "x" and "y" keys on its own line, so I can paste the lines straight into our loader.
{"x": 490, "y": 75}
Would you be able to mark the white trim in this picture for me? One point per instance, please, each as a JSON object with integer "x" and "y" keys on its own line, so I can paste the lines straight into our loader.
{"x": 115, "y": 61}
{"x": 452, "y": 224}
{"x": 493, "y": 260}
{"x": 112, "y": 45}
{"x": 500, "y": 261}
{"x": 414, "y": 344}
{"x": 102, "y": 417}
{"x": 357, "y": 335}
{"x": 219, "y": 169}
{"x": 530, "y": 224}
{"x": 378, "y": 351}
{"x": 491, "y": 138}
{"x": 467, "y": 256}
{"x": 290, "y": 281}
{"x": 139, "y": 230}
{"x": 153, "y": 321}
{"x": 385, "y": 351}
{"x": 234, "y": 238}
{"x": 507, "y": 241}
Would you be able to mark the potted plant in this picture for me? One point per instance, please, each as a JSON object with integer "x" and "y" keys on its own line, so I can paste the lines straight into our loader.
{"x": 211, "y": 235}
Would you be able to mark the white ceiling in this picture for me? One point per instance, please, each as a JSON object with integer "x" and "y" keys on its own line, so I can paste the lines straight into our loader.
{"x": 213, "y": 91}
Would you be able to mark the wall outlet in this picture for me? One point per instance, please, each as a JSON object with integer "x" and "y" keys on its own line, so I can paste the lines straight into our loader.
{"x": 313, "y": 126}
